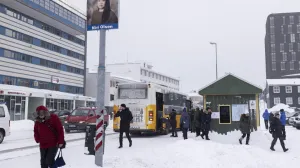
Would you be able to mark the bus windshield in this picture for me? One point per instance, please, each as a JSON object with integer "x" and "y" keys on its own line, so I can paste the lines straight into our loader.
{"x": 132, "y": 93}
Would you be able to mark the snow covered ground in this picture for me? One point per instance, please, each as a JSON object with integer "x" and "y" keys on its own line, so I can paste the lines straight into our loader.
{"x": 164, "y": 151}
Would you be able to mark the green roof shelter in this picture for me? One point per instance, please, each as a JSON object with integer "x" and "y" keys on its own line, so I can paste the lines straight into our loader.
{"x": 229, "y": 97}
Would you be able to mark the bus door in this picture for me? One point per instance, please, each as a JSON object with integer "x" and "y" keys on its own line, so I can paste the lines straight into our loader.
{"x": 159, "y": 109}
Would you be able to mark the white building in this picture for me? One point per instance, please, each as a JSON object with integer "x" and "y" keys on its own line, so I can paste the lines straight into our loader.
{"x": 42, "y": 53}
{"x": 111, "y": 83}
{"x": 143, "y": 72}
{"x": 196, "y": 99}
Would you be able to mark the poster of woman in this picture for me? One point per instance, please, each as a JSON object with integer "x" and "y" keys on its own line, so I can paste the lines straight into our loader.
{"x": 102, "y": 14}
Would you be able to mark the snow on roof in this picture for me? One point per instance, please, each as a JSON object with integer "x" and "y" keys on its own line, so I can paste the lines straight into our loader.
{"x": 227, "y": 74}
{"x": 291, "y": 81}
{"x": 280, "y": 106}
{"x": 193, "y": 94}
{"x": 124, "y": 78}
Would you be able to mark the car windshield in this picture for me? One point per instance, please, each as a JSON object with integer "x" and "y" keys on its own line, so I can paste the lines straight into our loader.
{"x": 80, "y": 112}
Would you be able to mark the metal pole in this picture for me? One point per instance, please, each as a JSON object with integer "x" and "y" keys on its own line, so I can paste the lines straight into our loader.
{"x": 99, "y": 148}
{"x": 216, "y": 61}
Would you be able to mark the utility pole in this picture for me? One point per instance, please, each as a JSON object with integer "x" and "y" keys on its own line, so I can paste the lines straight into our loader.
{"x": 216, "y": 46}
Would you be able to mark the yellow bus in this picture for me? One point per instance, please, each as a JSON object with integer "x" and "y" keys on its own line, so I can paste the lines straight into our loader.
{"x": 150, "y": 105}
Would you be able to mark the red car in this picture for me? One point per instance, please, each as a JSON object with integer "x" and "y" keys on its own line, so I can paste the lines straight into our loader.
{"x": 82, "y": 116}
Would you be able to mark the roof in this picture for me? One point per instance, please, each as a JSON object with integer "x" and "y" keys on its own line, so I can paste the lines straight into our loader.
{"x": 290, "y": 81}
{"x": 231, "y": 80}
{"x": 194, "y": 94}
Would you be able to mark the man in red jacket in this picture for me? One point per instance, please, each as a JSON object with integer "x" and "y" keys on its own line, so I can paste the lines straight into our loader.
{"x": 49, "y": 133}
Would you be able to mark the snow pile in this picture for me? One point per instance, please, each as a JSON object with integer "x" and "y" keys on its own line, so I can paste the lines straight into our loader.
{"x": 22, "y": 125}
{"x": 285, "y": 107}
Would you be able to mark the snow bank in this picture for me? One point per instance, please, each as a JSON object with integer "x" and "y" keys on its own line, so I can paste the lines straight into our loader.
{"x": 22, "y": 125}
{"x": 285, "y": 107}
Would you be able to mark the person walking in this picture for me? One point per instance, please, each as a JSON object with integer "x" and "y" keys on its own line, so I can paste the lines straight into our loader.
{"x": 197, "y": 121}
{"x": 192, "y": 124}
{"x": 277, "y": 133}
{"x": 173, "y": 123}
{"x": 206, "y": 119}
{"x": 245, "y": 126}
{"x": 126, "y": 117}
{"x": 283, "y": 123}
{"x": 266, "y": 117}
{"x": 49, "y": 133}
{"x": 185, "y": 123}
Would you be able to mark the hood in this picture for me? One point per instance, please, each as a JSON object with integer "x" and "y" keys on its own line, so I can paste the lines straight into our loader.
{"x": 266, "y": 111}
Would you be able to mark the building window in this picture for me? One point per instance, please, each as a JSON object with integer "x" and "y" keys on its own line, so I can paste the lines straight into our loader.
{"x": 293, "y": 38}
{"x": 276, "y": 89}
{"x": 273, "y": 55}
{"x": 276, "y": 100}
{"x": 281, "y": 47}
{"x": 289, "y": 100}
{"x": 272, "y": 30}
{"x": 273, "y": 66}
{"x": 294, "y": 56}
{"x": 284, "y": 56}
{"x": 298, "y": 28}
{"x": 272, "y": 21}
{"x": 291, "y": 19}
{"x": 298, "y": 100}
{"x": 298, "y": 47}
{"x": 292, "y": 65}
{"x": 141, "y": 72}
{"x": 273, "y": 48}
{"x": 291, "y": 47}
{"x": 298, "y": 89}
{"x": 284, "y": 38}
{"x": 290, "y": 29}
{"x": 272, "y": 38}
{"x": 288, "y": 89}
{"x": 282, "y": 66}
{"x": 283, "y": 20}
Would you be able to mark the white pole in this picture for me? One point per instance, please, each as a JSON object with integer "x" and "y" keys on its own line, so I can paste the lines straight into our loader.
{"x": 99, "y": 147}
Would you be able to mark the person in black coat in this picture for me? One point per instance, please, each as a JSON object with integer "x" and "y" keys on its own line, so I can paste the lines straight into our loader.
{"x": 173, "y": 123}
{"x": 126, "y": 117}
{"x": 276, "y": 131}
{"x": 206, "y": 119}
{"x": 245, "y": 127}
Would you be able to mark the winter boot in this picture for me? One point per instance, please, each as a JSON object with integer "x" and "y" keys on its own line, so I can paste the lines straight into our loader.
{"x": 130, "y": 143}
{"x": 285, "y": 150}
{"x": 272, "y": 148}
{"x": 120, "y": 146}
{"x": 247, "y": 141}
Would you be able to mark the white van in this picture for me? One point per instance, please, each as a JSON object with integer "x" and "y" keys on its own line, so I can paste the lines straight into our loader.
{"x": 4, "y": 122}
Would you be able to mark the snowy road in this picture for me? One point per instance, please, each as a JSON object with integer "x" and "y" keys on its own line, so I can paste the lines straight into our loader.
{"x": 165, "y": 152}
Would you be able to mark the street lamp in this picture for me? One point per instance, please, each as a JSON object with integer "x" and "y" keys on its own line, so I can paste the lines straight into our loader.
{"x": 215, "y": 44}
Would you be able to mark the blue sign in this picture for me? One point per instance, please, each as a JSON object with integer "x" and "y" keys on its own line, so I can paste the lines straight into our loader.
{"x": 102, "y": 14}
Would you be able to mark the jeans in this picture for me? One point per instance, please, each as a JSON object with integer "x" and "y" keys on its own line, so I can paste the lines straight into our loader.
{"x": 198, "y": 130}
{"x": 283, "y": 132}
{"x": 275, "y": 140}
{"x": 247, "y": 139}
{"x": 267, "y": 124}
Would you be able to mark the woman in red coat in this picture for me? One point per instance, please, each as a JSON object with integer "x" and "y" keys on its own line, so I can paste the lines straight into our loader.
{"x": 49, "y": 133}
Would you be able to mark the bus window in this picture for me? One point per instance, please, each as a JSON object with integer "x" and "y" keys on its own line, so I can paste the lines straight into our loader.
{"x": 132, "y": 93}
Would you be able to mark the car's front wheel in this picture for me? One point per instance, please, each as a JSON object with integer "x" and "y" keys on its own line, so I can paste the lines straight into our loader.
{"x": 1, "y": 136}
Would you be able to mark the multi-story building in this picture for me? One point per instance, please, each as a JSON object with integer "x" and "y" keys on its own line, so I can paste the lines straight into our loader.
{"x": 42, "y": 47}
{"x": 282, "y": 46}
{"x": 282, "y": 50}
{"x": 143, "y": 72}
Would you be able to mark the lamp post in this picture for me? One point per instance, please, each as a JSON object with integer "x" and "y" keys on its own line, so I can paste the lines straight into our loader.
{"x": 216, "y": 45}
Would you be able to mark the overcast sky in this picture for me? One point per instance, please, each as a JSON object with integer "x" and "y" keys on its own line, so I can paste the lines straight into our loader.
{"x": 174, "y": 36}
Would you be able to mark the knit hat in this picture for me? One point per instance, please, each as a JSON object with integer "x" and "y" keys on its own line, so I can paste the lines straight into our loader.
{"x": 41, "y": 108}
{"x": 123, "y": 105}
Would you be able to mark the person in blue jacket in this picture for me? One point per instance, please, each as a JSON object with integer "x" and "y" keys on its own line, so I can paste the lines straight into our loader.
{"x": 283, "y": 123}
{"x": 185, "y": 123}
{"x": 266, "y": 116}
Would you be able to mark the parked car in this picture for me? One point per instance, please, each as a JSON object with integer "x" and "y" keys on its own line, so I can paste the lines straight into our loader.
{"x": 4, "y": 122}
{"x": 80, "y": 117}
{"x": 297, "y": 122}
{"x": 63, "y": 114}
{"x": 291, "y": 118}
